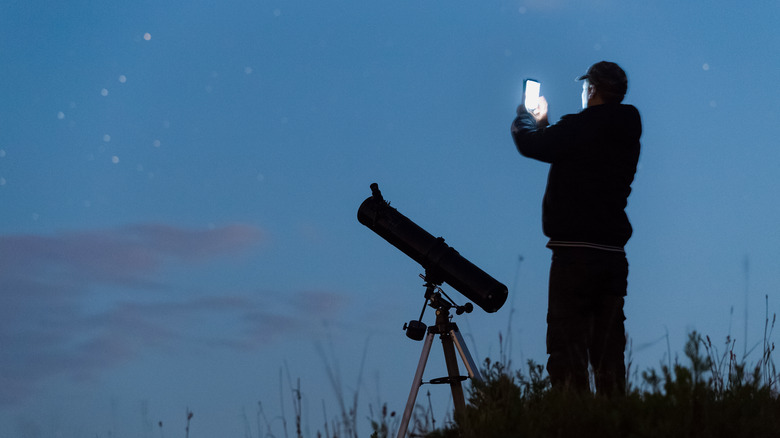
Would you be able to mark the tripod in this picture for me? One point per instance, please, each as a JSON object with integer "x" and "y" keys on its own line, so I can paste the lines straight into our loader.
{"x": 450, "y": 339}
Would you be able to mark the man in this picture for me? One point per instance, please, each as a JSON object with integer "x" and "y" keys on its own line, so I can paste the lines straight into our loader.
{"x": 593, "y": 156}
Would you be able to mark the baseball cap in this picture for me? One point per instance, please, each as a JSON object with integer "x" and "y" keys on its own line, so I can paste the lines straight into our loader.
{"x": 607, "y": 76}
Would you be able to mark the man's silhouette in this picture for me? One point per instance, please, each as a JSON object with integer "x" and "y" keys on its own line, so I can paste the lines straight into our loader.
{"x": 593, "y": 156}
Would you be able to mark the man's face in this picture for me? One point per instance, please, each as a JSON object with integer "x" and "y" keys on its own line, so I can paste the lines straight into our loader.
{"x": 585, "y": 93}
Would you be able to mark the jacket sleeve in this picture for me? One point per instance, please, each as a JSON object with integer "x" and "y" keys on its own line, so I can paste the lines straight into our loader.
{"x": 546, "y": 144}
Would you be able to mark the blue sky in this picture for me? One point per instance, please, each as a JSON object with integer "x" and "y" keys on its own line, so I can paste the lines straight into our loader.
{"x": 180, "y": 184}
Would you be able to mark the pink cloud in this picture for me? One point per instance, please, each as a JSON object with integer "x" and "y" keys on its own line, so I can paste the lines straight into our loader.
{"x": 48, "y": 282}
{"x": 75, "y": 303}
{"x": 119, "y": 253}
{"x": 193, "y": 244}
{"x": 318, "y": 302}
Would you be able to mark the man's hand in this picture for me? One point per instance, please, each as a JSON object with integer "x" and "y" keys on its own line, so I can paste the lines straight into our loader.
{"x": 540, "y": 113}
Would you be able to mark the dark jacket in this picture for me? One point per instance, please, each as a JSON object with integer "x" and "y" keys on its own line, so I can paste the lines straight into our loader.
{"x": 594, "y": 155}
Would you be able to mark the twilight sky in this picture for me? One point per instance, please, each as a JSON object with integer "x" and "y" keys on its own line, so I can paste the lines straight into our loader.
{"x": 179, "y": 185}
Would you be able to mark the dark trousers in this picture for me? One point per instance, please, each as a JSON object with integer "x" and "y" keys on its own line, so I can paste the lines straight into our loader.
{"x": 585, "y": 319}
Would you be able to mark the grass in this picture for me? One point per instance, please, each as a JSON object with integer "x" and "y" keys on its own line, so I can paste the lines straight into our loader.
{"x": 709, "y": 394}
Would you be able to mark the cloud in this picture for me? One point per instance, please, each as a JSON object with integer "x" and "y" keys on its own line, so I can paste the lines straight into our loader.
{"x": 41, "y": 273}
{"x": 77, "y": 303}
{"x": 118, "y": 255}
{"x": 192, "y": 244}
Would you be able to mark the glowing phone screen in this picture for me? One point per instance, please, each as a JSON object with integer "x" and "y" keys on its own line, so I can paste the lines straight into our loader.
{"x": 532, "y": 89}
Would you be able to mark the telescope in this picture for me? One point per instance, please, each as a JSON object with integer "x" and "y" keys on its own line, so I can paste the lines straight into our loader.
{"x": 442, "y": 263}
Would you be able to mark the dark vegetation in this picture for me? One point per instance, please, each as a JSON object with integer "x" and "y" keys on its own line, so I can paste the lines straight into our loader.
{"x": 707, "y": 394}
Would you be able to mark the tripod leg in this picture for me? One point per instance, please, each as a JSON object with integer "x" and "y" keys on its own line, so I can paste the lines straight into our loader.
{"x": 415, "y": 386}
{"x": 471, "y": 367}
{"x": 458, "y": 400}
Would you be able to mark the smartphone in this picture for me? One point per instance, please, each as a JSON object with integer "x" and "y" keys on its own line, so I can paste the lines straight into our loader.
{"x": 531, "y": 88}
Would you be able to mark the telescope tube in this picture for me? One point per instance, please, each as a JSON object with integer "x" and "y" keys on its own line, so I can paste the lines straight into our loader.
{"x": 441, "y": 262}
